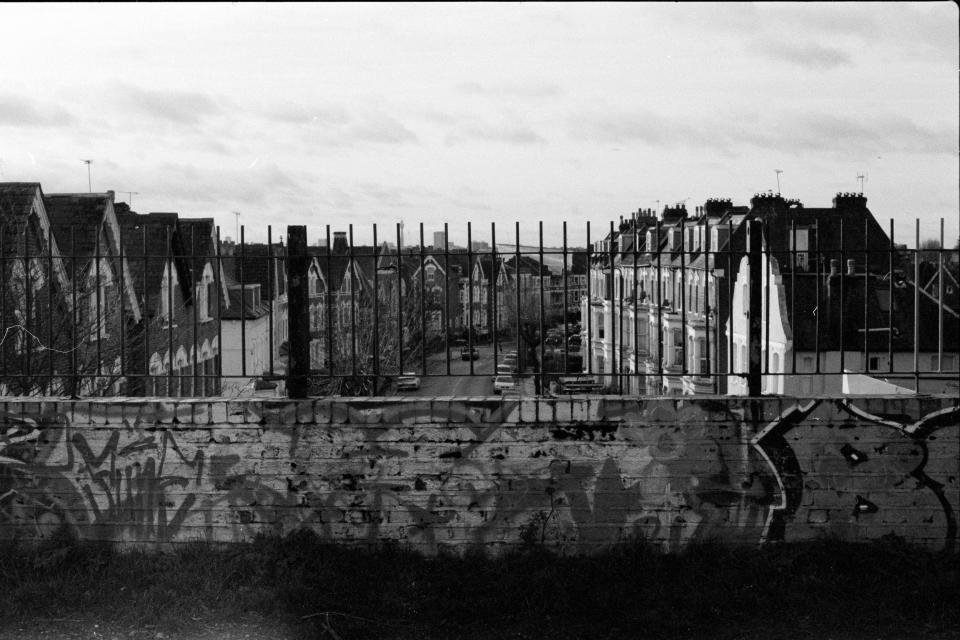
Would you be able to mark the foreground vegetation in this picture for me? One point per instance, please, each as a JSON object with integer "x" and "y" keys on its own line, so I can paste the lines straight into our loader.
{"x": 309, "y": 589}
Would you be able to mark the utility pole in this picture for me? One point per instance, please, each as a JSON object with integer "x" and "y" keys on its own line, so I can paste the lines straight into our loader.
{"x": 89, "y": 180}
{"x": 778, "y": 172}
{"x": 861, "y": 177}
{"x": 237, "y": 214}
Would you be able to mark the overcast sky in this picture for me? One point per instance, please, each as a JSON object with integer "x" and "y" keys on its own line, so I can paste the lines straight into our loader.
{"x": 433, "y": 113}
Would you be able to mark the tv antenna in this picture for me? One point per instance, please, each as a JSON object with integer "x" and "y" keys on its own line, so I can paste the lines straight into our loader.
{"x": 130, "y": 195}
{"x": 778, "y": 172}
{"x": 89, "y": 181}
{"x": 861, "y": 177}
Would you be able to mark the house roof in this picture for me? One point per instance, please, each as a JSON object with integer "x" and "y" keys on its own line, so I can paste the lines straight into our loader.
{"x": 16, "y": 198}
{"x": 250, "y": 310}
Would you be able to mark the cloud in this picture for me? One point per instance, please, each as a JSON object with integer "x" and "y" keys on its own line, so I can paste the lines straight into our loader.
{"x": 307, "y": 115}
{"x": 337, "y": 126}
{"x": 179, "y": 107}
{"x": 530, "y": 90}
{"x": 504, "y": 132}
{"x": 809, "y": 55}
{"x": 867, "y": 134}
{"x": 18, "y": 112}
{"x": 785, "y": 131}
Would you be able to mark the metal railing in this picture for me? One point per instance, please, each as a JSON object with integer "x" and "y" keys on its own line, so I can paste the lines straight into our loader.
{"x": 657, "y": 305}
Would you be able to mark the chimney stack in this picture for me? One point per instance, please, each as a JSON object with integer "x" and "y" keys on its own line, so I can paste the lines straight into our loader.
{"x": 340, "y": 242}
{"x": 851, "y": 267}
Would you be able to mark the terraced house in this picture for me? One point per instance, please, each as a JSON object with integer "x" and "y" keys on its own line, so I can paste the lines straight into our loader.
{"x": 830, "y": 301}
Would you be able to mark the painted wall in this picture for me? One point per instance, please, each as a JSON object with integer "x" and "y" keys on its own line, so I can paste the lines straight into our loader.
{"x": 575, "y": 474}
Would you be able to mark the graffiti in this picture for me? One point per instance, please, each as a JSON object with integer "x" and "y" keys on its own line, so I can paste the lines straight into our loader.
{"x": 576, "y": 475}
{"x": 848, "y": 473}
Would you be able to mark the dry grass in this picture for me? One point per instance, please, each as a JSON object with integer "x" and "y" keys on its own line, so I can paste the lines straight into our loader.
{"x": 814, "y": 590}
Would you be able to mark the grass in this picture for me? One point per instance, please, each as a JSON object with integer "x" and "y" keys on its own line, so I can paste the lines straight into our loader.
{"x": 813, "y": 590}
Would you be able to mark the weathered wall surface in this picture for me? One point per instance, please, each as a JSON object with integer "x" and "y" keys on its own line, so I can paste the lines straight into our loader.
{"x": 574, "y": 474}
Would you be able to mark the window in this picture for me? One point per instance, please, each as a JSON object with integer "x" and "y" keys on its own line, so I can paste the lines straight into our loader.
{"x": 948, "y": 363}
{"x": 677, "y": 348}
{"x": 874, "y": 363}
{"x": 702, "y": 352}
{"x": 807, "y": 363}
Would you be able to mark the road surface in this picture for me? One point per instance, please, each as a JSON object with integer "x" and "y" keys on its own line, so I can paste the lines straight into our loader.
{"x": 460, "y": 382}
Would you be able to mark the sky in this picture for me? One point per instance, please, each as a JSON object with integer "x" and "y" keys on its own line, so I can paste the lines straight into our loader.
{"x": 363, "y": 114}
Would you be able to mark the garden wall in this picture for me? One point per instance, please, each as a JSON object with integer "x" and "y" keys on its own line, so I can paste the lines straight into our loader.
{"x": 576, "y": 474}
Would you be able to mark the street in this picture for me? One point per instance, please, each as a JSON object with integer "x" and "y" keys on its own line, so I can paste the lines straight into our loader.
{"x": 460, "y": 382}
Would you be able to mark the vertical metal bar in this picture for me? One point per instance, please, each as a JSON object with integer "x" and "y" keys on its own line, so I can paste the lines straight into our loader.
{"x": 423, "y": 310}
{"x": 890, "y": 304}
{"x": 916, "y": 308}
{"x": 589, "y": 310}
{"x": 683, "y": 296}
{"x": 634, "y": 380}
{"x": 817, "y": 310}
{"x": 195, "y": 298}
{"x": 352, "y": 271}
{"x": 566, "y": 301}
{"x": 28, "y": 316}
{"x": 446, "y": 293}
{"x": 77, "y": 380}
{"x": 866, "y": 296}
{"x": 492, "y": 299}
{"x": 731, "y": 354}
{"x": 793, "y": 290}
{"x": 399, "y": 302}
{"x": 271, "y": 274}
{"x": 3, "y": 298}
{"x": 298, "y": 318}
{"x": 542, "y": 327}
{"x": 842, "y": 277}
{"x": 170, "y": 258}
{"x": 218, "y": 382}
{"x": 145, "y": 323}
{"x": 243, "y": 303}
{"x": 707, "y": 276}
{"x": 328, "y": 307}
{"x": 521, "y": 357}
{"x": 611, "y": 303}
{"x": 754, "y": 248}
{"x": 54, "y": 317}
{"x": 659, "y": 314}
{"x": 97, "y": 326}
{"x": 765, "y": 256}
{"x": 376, "y": 310}
{"x": 940, "y": 302}
{"x": 470, "y": 295}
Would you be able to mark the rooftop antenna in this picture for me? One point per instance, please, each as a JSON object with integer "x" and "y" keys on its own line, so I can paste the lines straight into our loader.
{"x": 89, "y": 181}
{"x": 861, "y": 177}
{"x": 130, "y": 195}
{"x": 237, "y": 213}
{"x": 778, "y": 172}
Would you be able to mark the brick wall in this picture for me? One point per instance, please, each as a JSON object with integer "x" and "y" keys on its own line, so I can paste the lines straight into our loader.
{"x": 573, "y": 474}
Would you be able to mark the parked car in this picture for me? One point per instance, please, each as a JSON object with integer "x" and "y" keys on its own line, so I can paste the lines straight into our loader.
{"x": 506, "y": 369}
{"x": 504, "y": 383}
{"x": 408, "y": 380}
{"x": 466, "y": 353}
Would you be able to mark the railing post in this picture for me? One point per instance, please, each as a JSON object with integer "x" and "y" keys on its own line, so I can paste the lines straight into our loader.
{"x": 755, "y": 314}
{"x": 298, "y": 316}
